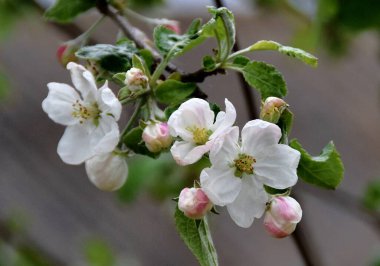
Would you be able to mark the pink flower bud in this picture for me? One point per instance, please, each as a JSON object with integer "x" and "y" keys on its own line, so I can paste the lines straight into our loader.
{"x": 173, "y": 25}
{"x": 135, "y": 79}
{"x": 194, "y": 203}
{"x": 272, "y": 109}
{"x": 282, "y": 216}
{"x": 66, "y": 52}
{"x": 157, "y": 136}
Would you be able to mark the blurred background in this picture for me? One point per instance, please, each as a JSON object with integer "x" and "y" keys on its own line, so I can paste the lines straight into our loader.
{"x": 50, "y": 214}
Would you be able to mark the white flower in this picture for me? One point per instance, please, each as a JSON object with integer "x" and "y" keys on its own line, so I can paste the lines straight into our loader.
{"x": 239, "y": 171}
{"x": 90, "y": 116}
{"x": 194, "y": 123}
{"x": 107, "y": 171}
{"x": 282, "y": 216}
{"x": 135, "y": 79}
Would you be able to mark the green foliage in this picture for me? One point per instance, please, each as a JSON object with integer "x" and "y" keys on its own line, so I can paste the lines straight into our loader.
{"x": 286, "y": 124}
{"x": 275, "y": 191}
{"x": 65, "y": 11}
{"x": 325, "y": 170}
{"x": 241, "y": 61}
{"x": 222, "y": 27}
{"x": 265, "y": 78}
{"x": 299, "y": 54}
{"x": 172, "y": 91}
{"x": 197, "y": 238}
{"x": 208, "y": 63}
{"x": 113, "y": 58}
{"x": 371, "y": 198}
{"x": 98, "y": 253}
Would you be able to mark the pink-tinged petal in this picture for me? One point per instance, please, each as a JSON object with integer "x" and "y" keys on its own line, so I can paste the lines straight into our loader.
{"x": 105, "y": 136}
{"x": 74, "y": 146}
{"x": 225, "y": 148}
{"x": 107, "y": 172}
{"x": 220, "y": 185}
{"x": 194, "y": 203}
{"x": 108, "y": 102}
{"x": 59, "y": 103}
{"x": 257, "y": 135}
{"x": 277, "y": 166}
{"x": 185, "y": 153}
{"x": 83, "y": 81}
{"x": 224, "y": 120}
{"x": 249, "y": 204}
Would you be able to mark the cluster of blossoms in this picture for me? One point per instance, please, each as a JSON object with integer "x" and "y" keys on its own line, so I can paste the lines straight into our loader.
{"x": 240, "y": 165}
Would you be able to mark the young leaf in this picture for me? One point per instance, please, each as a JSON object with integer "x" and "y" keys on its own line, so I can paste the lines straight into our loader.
{"x": 241, "y": 61}
{"x": 66, "y": 10}
{"x": 172, "y": 91}
{"x": 113, "y": 58}
{"x": 222, "y": 27}
{"x": 265, "y": 78}
{"x": 197, "y": 238}
{"x": 371, "y": 198}
{"x": 325, "y": 170}
{"x": 208, "y": 63}
{"x": 302, "y": 55}
{"x": 286, "y": 124}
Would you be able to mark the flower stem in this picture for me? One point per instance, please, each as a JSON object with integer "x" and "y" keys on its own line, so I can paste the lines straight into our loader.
{"x": 133, "y": 117}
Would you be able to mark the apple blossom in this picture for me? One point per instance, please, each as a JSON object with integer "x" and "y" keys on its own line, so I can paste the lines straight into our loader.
{"x": 194, "y": 123}
{"x": 157, "y": 136}
{"x": 107, "y": 171}
{"x": 172, "y": 25}
{"x": 239, "y": 171}
{"x": 282, "y": 216}
{"x": 66, "y": 52}
{"x": 90, "y": 115}
{"x": 194, "y": 203}
{"x": 135, "y": 79}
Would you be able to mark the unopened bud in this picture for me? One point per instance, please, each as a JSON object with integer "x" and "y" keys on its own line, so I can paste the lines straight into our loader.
{"x": 107, "y": 171}
{"x": 194, "y": 203}
{"x": 135, "y": 79}
{"x": 157, "y": 136}
{"x": 173, "y": 25}
{"x": 272, "y": 109}
{"x": 282, "y": 216}
{"x": 66, "y": 52}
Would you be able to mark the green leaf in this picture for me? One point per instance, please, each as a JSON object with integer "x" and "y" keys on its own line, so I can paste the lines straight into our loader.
{"x": 371, "y": 198}
{"x": 133, "y": 140}
{"x": 139, "y": 63}
{"x": 148, "y": 58}
{"x": 113, "y": 58}
{"x": 286, "y": 124}
{"x": 222, "y": 27}
{"x": 172, "y": 91}
{"x": 297, "y": 53}
{"x": 171, "y": 45}
{"x": 208, "y": 63}
{"x": 325, "y": 170}
{"x": 275, "y": 191}
{"x": 197, "y": 238}
{"x": 241, "y": 61}
{"x": 265, "y": 78}
{"x": 170, "y": 109}
{"x": 66, "y": 10}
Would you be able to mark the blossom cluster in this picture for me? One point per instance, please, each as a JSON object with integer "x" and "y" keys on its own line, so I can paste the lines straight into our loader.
{"x": 242, "y": 163}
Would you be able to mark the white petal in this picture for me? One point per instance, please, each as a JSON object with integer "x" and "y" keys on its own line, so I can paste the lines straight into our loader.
{"x": 83, "y": 81}
{"x": 107, "y": 171}
{"x": 74, "y": 146}
{"x": 105, "y": 136}
{"x": 220, "y": 185}
{"x": 257, "y": 135}
{"x": 277, "y": 166}
{"x": 108, "y": 102}
{"x": 58, "y": 103}
{"x": 194, "y": 113}
{"x": 249, "y": 204}
{"x": 225, "y": 148}
{"x": 224, "y": 120}
{"x": 185, "y": 153}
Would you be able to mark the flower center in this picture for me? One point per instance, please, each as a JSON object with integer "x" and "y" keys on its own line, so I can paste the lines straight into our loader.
{"x": 84, "y": 113}
{"x": 244, "y": 164}
{"x": 200, "y": 135}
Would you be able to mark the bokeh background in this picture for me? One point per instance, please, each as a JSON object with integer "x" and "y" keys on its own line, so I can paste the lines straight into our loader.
{"x": 50, "y": 214}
